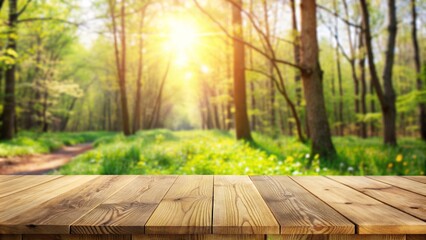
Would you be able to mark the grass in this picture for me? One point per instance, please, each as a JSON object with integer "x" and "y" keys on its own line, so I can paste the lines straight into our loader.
{"x": 31, "y": 143}
{"x": 216, "y": 152}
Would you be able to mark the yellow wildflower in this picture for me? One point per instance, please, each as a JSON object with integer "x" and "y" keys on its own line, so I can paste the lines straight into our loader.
{"x": 289, "y": 159}
{"x": 399, "y": 158}
{"x": 405, "y": 163}
{"x": 390, "y": 165}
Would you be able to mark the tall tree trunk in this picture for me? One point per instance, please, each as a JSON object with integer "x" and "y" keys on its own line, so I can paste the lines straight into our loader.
{"x": 389, "y": 92}
{"x": 422, "y": 106}
{"x": 340, "y": 82}
{"x": 229, "y": 86}
{"x": 242, "y": 125}
{"x": 352, "y": 62}
{"x": 272, "y": 118}
{"x": 121, "y": 62}
{"x": 7, "y": 130}
{"x": 387, "y": 96}
{"x": 45, "y": 123}
{"x": 296, "y": 53}
{"x": 362, "y": 78}
{"x": 312, "y": 83}
{"x": 137, "y": 111}
{"x": 158, "y": 102}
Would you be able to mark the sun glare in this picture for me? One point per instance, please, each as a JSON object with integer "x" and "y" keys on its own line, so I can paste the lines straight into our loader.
{"x": 182, "y": 36}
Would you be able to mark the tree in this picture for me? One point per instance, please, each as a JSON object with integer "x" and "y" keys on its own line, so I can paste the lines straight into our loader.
{"x": 312, "y": 83}
{"x": 120, "y": 58}
{"x": 242, "y": 126}
{"x": 137, "y": 111}
{"x": 422, "y": 106}
{"x": 7, "y": 130}
{"x": 386, "y": 96}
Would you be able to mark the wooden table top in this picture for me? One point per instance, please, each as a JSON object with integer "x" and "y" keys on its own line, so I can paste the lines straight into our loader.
{"x": 212, "y": 205}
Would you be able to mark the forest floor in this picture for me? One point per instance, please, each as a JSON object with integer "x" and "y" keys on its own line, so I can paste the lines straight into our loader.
{"x": 42, "y": 163}
{"x": 217, "y": 152}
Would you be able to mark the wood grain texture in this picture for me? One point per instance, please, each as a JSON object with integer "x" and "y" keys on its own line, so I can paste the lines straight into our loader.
{"x": 370, "y": 215}
{"x": 405, "y": 183}
{"x": 416, "y": 237}
{"x": 198, "y": 237}
{"x": 336, "y": 237}
{"x": 128, "y": 210}
{"x": 56, "y": 215}
{"x": 4, "y": 178}
{"x": 297, "y": 210}
{"x": 421, "y": 179}
{"x": 298, "y": 237}
{"x": 186, "y": 208}
{"x": 23, "y": 201}
{"x": 11, "y": 237}
{"x": 368, "y": 237}
{"x": 240, "y": 209}
{"x": 401, "y": 199}
{"x": 76, "y": 237}
{"x": 18, "y": 184}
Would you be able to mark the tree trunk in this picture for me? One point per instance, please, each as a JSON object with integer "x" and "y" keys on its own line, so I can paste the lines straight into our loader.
{"x": 339, "y": 81}
{"x": 158, "y": 102}
{"x": 272, "y": 118}
{"x": 312, "y": 83}
{"x": 45, "y": 124}
{"x": 389, "y": 113}
{"x": 7, "y": 130}
{"x": 137, "y": 111}
{"x": 121, "y": 62}
{"x": 296, "y": 53}
{"x": 242, "y": 125}
{"x": 386, "y": 96}
{"x": 422, "y": 106}
{"x": 363, "y": 100}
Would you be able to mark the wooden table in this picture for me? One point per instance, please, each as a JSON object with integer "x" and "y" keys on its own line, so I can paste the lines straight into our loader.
{"x": 212, "y": 207}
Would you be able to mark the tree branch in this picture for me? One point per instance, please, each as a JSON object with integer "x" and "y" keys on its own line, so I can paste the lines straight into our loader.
{"x": 48, "y": 19}
{"x": 24, "y": 7}
{"x": 338, "y": 16}
{"x": 256, "y": 49}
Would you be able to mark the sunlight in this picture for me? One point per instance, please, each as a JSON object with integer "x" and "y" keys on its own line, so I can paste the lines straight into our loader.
{"x": 205, "y": 69}
{"x": 182, "y": 36}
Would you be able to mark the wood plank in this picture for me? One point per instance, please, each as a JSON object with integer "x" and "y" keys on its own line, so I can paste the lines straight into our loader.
{"x": 11, "y": 237}
{"x": 76, "y": 237}
{"x": 56, "y": 215}
{"x": 370, "y": 215}
{"x": 18, "y": 184}
{"x": 186, "y": 208}
{"x": 401, "y": 199}
{"x": 128, "y": 210}
{"x": 198, "y": 237}
{"x": 240, "y": 209}
{"x": 407, "y": 184}
{"x": 4, "y": 178}
{"x": 297, "y": 210}
{"x": 421, "y": 179}
{"x": 416, "y": 237}
{"x": 23, "y": 201}
{"x": 298, "y": 237}
{"x": 367, "y": 237}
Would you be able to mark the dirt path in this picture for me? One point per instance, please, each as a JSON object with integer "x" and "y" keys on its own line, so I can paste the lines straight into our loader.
{"x": 41, "y": 163}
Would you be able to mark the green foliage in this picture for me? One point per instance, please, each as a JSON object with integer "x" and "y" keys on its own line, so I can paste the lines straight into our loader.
{"x": 216, "y": 152}
{"x": 31, "y": 143}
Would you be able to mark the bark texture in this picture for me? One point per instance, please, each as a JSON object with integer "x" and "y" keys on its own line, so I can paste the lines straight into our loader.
{"x": 312, "y": 83}
{"x": 242, "y": 125}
